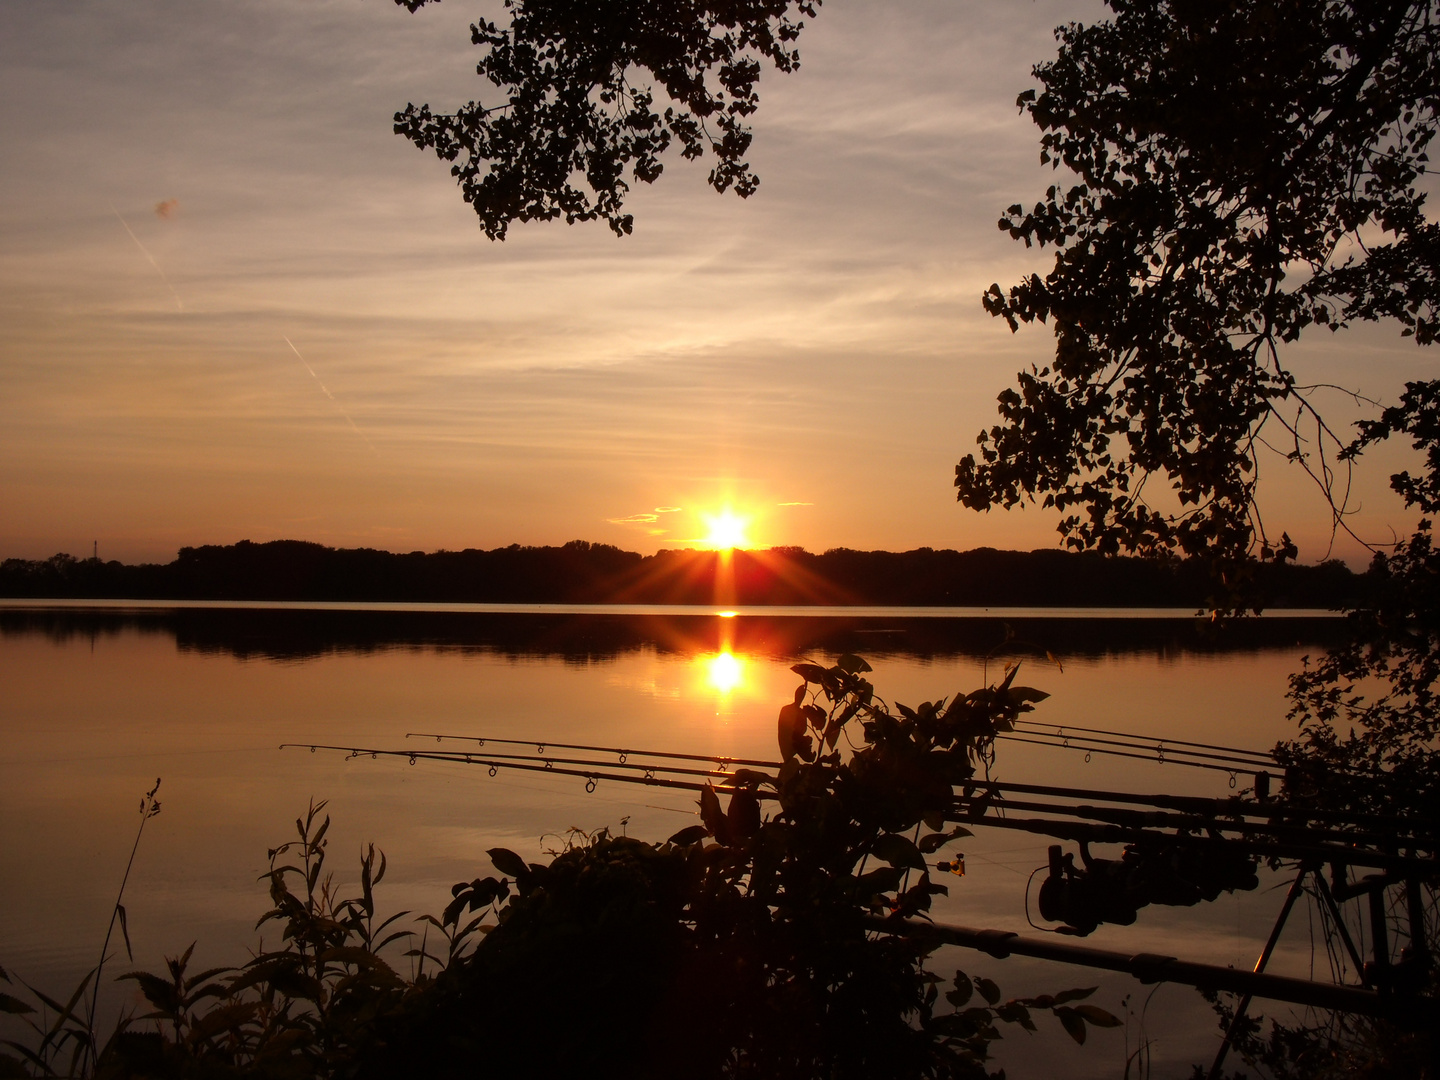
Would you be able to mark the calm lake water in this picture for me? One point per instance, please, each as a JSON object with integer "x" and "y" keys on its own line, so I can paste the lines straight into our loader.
{"x": 96, "y": 702}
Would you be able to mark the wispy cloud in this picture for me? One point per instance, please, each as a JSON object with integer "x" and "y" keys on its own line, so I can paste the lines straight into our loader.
{"x": 648, "y": 518}
{"x": 795, "y": 504}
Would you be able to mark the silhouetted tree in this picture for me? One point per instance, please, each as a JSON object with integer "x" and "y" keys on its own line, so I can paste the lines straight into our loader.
{"x": 577, "y": 81}
{"x": 1235, "y": 174}
{"x": 1242, "y": 171}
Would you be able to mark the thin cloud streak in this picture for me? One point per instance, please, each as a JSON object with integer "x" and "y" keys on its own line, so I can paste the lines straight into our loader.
{"x": 145, "y": 251}
{"x": 331, "y": 396}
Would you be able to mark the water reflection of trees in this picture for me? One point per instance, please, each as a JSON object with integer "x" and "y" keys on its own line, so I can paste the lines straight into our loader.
{"x": 292, "y": 634}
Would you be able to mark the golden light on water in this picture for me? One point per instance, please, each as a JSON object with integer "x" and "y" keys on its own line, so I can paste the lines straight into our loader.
{"x": 726, "y": 530}
{"x": 724, "y": 671}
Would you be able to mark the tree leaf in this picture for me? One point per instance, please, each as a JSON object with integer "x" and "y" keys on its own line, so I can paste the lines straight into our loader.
{"x": 691, "y": 834}
{"x": 743, "y": 816}
{"x": 125, "y": 931}
{"x": 1071, "y": 1022}
{"x": 713, "y": 816}
{"x": 897, "y": 850}
{"x": 1098, "y": 1016}
{"x": 964, "y": 990}
{"x": 790, "y": 729}
{"x": 1025, "y": 693}
{"x": 507, "y": 862}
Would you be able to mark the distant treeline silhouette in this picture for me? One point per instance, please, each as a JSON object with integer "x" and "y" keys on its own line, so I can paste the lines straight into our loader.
{"x": 581, "y": 572}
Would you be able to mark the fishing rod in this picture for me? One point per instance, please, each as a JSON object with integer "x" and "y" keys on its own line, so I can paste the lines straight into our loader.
{"x": 1232, "y": 750}
{"x": 1058, "y": 829}
{"x": 1199, "y": 804}
{"x": 623, "y": 754}
{"x": 1161, "y": 748}
{"x": 1137, "y": 819}
{"x": 1188, "y": 804}
{"x": 1158, "y": 758}
{"x": 1152, "y": 968}
{"x": 637, "y": 766}
{"x": 1108, "y": 831}
{"x": 495, "y": 764}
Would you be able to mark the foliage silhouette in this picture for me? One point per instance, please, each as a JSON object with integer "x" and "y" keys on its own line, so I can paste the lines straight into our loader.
{"x": 1228, "y": 159}
{"x": 573, "y": 108}
{"x": 1244, "y": 172}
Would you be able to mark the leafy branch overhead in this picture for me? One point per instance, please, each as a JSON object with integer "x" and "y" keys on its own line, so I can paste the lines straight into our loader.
{"x": 1241, "y": 172}
{"x": 578, "y": 117}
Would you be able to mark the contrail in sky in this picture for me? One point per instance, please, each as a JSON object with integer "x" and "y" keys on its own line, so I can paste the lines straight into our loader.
{"x": 331, "y": 396}
{"x": 178, "y": 305}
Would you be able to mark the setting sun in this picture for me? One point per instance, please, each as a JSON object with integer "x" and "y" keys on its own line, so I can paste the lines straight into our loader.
{"x": 726, "y": 530}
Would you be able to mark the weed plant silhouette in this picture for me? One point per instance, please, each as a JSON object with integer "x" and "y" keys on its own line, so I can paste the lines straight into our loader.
{"x": 68, "y": 1030}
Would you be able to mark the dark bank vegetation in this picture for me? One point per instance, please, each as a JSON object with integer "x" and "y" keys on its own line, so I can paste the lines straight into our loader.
{"x": 581, "y": 572}
{"x": 774, "y": 939}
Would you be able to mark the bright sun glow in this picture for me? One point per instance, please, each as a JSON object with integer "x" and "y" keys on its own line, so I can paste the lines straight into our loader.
{"x": 725, "y": 671}
{"x": 726, "y": 530}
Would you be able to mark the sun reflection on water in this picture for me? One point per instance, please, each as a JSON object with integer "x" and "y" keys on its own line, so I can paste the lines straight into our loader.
{"x": 724, "y": 671}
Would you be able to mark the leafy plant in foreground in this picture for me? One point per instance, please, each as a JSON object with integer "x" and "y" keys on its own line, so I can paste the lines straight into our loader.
{"x": 69, "y": 1028}
{"x": 779, "y": 944}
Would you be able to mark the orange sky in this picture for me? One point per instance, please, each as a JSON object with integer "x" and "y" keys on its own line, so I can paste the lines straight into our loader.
{"x": 234, "y": 305}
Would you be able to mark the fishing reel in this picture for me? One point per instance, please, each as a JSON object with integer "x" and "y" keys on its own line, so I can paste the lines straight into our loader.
{"x": 1114, "y": 890}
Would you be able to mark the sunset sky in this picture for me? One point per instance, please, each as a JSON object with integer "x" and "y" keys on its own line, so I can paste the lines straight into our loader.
{"x": 233, "y": 304}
